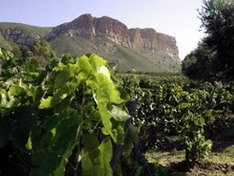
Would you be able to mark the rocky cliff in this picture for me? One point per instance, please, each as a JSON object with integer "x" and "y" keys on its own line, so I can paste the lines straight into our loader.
{"x": 149, "y": 39}
{"x": 22, "y": 33}
{"x": 19, "y": 36}
{"x": 125, "y": 49}
{"x": 137, "y": 39}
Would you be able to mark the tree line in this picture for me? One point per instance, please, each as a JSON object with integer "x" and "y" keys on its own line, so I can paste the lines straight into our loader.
{"x": 213, "y": 59}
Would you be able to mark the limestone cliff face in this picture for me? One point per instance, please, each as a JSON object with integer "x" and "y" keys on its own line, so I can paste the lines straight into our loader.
{"x": 82, "y": 26}
{"x": 90, "y": 27}
{"x": 19, "y": 36}
{"x": 113, "y": 30}
{"x": 105, "y": 27}
{"x": 138, "y": 39}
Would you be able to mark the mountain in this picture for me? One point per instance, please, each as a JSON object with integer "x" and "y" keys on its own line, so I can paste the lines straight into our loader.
{"x": 126, "y": 49}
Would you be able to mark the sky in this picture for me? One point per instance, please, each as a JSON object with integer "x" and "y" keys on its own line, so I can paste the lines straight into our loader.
{"x": 178, "y": 18}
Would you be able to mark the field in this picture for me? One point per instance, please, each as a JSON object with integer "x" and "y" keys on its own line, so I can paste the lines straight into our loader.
{"x": 93, "y": 121}
{"x": 168, "y": 153}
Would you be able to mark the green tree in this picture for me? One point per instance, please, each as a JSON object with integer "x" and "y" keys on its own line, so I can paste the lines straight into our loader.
{"x": 43, "y": 48}
{"x": 16, "y": 50}
{"x": 217, "y": 17}
{"x": 42, "y": 52}
{"x": 200, "y": 65}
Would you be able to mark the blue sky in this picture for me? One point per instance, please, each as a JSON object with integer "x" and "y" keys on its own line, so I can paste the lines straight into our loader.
{"x": 178, "y": 18}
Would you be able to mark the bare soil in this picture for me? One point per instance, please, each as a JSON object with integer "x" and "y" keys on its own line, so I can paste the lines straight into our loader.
{"x": 220, "y": 162}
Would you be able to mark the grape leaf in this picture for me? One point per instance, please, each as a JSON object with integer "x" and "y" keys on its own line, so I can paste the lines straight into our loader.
{"x": 118, "y": 113}
{"x": 45, "y": 103}
{"x": 98, "y": 162}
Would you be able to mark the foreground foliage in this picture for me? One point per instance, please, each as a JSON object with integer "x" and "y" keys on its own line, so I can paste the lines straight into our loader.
{"x": 64, "y": 119}
{"x": 74, "y": 118}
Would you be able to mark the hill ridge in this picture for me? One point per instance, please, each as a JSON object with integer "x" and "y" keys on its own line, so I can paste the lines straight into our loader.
{"x": 130, "y": 48}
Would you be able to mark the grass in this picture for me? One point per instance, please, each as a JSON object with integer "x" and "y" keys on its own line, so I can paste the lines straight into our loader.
{"x": 124, "y": 59}
{"x": 164, "y": 158}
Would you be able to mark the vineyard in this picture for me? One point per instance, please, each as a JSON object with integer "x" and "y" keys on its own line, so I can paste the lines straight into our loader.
{"x": 180, "y": 117}
{"x": 75, "y": 116}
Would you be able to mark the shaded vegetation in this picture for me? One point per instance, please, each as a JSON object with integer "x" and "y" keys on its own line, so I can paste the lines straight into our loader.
{"x": 213, "y": 58}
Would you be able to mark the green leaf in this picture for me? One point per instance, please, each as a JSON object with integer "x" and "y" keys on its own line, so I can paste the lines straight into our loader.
{"x": 51, "y": 64}
{"x": 5, "y": 55}
{"x": 51, "y": 159}
{"x": 31, "y": 65}
{"x": 67, "y": 58}
{"x": 118, "y": 113}
{"x": 104, "y": 70}
{"x": 105, "y": 118}
{"x": 65, "y": 75}
{"x": 7, "y": 102}
{"x": 64, "y": 96}
{"x": 28, "y": 146}
{"x": 90, "y": 141}
{"x": 117, "y": 132}
{"x": 45, "y": 103}
{"x": 85, "y": 68}
{"x": 107, "y": 91}
{"x": 98, "y": 164}
{"x": 16, "y": 90}
{"x": 24, "y": 122}
{"x": 65, "y": 106}
{"x": 97, "y": 61}
{"x": 52, "y": 163}
{"x": 130, "y": 139}
{"x": 31, "y": 77}
{"x": 111, "y": 127}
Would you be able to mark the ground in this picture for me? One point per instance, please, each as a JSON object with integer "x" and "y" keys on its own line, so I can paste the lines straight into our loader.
{"x": 219, "y": 162}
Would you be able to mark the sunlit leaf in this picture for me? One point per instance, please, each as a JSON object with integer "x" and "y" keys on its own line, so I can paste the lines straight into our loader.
{"x": 118, "y": 113}
{"x": 28, "y": 146}
{"x": 45, "y": 103}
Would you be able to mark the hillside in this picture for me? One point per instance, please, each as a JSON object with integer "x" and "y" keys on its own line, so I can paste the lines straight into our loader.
{"x": 4, "y": 43}
{"x": 126, "y": 49}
